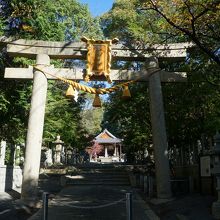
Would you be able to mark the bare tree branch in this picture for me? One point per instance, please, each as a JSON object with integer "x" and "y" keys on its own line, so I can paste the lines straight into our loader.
{"x": 192, "y": 34}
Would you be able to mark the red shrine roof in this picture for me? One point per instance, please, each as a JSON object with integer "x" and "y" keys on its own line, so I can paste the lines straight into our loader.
{"x": 106, "y": 137}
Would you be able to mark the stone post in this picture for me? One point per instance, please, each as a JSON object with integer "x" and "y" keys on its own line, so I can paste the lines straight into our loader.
{"x": 216, "y": 204}
{"x": 106, "y": 151}
{"x": 49, "y": 158}
{"x": 17, "y": 155}
{"x": 115, "y": 151}
{"x": 2, "y": 152}
{"x": 146, "y": 180}
{"x": 216, "y": 172}
{"x": 159, "y": 131}
{"x": 120, "y": 152}
{"x": 35, "y": 132}
{"x": 58, "y": 150}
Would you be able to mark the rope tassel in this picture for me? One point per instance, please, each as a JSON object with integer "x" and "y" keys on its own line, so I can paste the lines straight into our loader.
{"x": 70, "y": 92}
{"x": 126, "y": 93}
{"x": 97, "y": 101}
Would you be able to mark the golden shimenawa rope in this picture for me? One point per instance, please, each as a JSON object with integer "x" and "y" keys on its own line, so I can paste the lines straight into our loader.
{"x": 88, "y": 89}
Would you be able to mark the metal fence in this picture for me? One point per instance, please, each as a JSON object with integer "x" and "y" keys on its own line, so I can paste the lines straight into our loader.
{"x": 128, "y": 199}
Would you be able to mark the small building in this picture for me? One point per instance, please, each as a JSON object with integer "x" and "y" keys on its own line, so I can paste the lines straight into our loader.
{"x": 111, "y": 150}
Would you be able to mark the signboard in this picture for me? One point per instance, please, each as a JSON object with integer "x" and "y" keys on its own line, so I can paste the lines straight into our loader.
{"x": 205, "y": 169}
{"x": 98, "y": 58}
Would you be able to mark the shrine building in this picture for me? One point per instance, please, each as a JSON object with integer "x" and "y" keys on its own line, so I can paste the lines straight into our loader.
{"x": 112, "y": 150}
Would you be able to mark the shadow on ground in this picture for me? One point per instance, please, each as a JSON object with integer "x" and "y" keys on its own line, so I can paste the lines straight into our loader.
{"x": 188, "y": 207}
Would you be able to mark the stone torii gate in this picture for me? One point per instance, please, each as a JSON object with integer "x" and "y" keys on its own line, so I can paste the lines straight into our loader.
{"x": 42, "y": 51}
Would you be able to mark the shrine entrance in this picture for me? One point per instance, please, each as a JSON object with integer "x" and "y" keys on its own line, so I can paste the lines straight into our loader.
{"x": 152, "y": 75}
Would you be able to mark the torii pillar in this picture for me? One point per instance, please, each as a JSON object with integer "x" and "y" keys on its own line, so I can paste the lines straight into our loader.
{"x": 35, "y": 132}
{"x": 159, "y": 131}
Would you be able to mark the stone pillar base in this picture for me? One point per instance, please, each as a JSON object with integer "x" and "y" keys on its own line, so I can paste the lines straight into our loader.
{"x": 157, "y": 201}
{"x": 216, "y": 210}
{"x": 28, "y": 203}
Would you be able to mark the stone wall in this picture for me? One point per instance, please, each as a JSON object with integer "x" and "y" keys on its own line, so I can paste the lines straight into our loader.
{"x": 10, "y": 178}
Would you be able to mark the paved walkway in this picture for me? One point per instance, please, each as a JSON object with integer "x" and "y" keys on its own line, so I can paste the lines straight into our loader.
{"x": 62, "y": 207}
{"x": 188, "y": 207}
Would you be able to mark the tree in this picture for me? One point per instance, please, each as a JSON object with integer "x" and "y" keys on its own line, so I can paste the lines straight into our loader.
{"x": 91, "y": 120}
{"x": 196, "y": 20}
{"x": 124, "y": 14}
{"x": 191, "y": 108}
{"x": 42, "y": 20}
{"x": 48, "y": 20}
{"x": 129, "y": 119}
{"x": 62, "y": 116}
{"x": 96, "y": 149}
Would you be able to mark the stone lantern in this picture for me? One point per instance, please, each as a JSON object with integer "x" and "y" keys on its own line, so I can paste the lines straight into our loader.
{"x": 58, "y": 150}
{"x": 216, "y": 172}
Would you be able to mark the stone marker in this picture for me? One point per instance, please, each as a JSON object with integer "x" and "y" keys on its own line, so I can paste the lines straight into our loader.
{"x": 2, "y": 152}
{"x": 58, "y": 150}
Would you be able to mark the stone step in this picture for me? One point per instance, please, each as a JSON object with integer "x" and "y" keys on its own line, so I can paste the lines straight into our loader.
{"x": 89, "y": 175}
{"x": 90, "y": 178}
{"x": 100, "y": 183}
{"x": 97, "y": 179}
{"x": 98, "y": 174}
{"x": 102, "y": 170}
{"x": 97, "y": 165}
{"x": 100, "y": 179}
{"x": 80, "y": 179}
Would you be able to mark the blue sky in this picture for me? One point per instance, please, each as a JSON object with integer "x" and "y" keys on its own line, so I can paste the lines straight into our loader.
{"x": 98, "y": 7}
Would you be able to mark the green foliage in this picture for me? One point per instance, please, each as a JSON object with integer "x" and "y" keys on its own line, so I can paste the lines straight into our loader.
{"x": 50, "y": 20}
{"x": 9, "y": 154}
{"x": 139, "y": 27}
{"x": 62, "y": 116}
{"x": 91, "y": 120}
{"x": 193, "y": 20}
{"x": 129, "y": 119}
{"x": 192, "y": 108}
{"x": 14, "y": 111}
{"x": 124, "y": 14}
